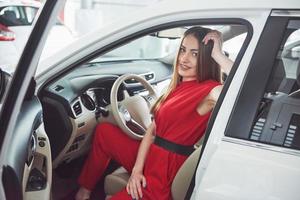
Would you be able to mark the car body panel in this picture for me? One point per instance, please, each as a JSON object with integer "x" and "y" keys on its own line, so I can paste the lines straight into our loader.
{"x": 229, "y": 168}
{"x": 213, "y": 153}
{"x": 240, "y": 171}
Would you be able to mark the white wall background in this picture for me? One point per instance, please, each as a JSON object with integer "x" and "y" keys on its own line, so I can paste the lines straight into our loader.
{"x": 82, "y": 16}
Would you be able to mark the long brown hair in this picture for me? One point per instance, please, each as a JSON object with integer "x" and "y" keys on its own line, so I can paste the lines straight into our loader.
{"x": 207, "y": 68}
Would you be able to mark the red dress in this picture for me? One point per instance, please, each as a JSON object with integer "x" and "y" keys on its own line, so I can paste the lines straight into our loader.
{"x": 177, "y": 120}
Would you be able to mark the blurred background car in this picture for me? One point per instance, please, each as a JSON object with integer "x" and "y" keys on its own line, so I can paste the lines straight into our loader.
{"x": 251, "y": 149}
{"x": 16, "y": 19}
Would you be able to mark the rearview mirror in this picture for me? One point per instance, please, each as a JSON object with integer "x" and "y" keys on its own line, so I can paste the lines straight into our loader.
{"x": 173, "y": 33}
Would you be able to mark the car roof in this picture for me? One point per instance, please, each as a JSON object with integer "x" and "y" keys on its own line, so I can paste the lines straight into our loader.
{"x": 166, "y": 8}
{"x": 228, "y": 4}
{"x": 4, "y": 3}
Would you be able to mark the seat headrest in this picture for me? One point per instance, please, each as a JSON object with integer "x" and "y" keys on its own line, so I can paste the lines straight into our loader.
{"x": 298, "y": 73}
{"x": 277, "y": 75}
{"x": 10, "y": 15}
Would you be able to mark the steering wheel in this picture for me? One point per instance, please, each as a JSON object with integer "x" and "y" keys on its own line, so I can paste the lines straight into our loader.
{"x": 132, "y": 114}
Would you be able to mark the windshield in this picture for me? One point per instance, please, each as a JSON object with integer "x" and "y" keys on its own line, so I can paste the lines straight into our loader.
{"x": 75, "y": 20}
{"x": 148, "y": 47}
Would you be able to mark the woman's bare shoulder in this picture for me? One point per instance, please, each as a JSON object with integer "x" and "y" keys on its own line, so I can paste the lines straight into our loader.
{"x": 215, "y": 93}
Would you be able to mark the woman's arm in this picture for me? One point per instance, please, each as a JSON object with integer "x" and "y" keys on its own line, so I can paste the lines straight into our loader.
{"x": 209, "y": 102}
{"x": 217, "y": 53}
{"x": 143, "y": 149}
{"x": 137, "y": 179}
{"x": 224, "y": 62}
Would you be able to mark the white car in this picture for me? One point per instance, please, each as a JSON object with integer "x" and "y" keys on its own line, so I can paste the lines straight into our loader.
{"x": 251, "y": 149}
{"x": 15, "y": 26}
{"x": 16, "y": 18}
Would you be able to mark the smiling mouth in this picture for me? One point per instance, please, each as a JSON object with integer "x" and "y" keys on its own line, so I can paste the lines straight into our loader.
{"x": 184, "y": 67}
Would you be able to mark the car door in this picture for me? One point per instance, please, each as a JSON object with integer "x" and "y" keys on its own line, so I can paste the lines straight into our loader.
{"x": 18, "y": 143}
{"x": 256, "y": 154}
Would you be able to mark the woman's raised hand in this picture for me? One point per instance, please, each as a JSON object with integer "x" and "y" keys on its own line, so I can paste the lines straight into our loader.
{"x": 216, "y": 37}
{"x": 217, "y": 53}
{"x": 135, "y": 183}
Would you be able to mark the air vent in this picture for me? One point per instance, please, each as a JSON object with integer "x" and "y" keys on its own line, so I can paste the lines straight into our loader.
{"x": 257, "y": 129}
{"x": 130, "y": 81}
{"x": 147, "y": 76}
{"x": 58, "y": 88}
{"x": 88, "y": 102}
{"x": 77, "y": 108}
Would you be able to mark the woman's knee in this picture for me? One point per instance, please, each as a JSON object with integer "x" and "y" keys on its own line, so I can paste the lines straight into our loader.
{"x": 105, "y": 131}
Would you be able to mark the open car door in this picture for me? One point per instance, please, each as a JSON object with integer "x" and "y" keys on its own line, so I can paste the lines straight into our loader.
{"x": 23, "y": 175}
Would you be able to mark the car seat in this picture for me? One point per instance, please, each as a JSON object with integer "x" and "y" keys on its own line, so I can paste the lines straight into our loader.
{"x": 296, "y": 93}
{"x": 11, "y": 16}
{"x": 117, "y": 180}
{"x": 279, "y": 118}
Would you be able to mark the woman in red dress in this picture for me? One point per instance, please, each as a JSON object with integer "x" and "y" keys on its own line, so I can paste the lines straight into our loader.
{"x": 180, "y": 120}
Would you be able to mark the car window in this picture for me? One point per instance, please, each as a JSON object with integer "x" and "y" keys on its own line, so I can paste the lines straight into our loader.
{"x": 30, "y": 13}
{"x": 233, "y": 45}
{"x": 291, "y": 53}
{"x": 17, "y": 15}
{"x": 158, "y": 47}
{"x": 148, "y": 47}
{"x": 278, "y": 113}
{"x": 153, "y": 55}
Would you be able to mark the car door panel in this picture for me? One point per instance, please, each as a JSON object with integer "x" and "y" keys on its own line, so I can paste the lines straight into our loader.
{"x": 35, "y": 153}
{"x": 37, "y": 177}
{"x": 249, "y": 169}
{"x": 27, "y": 121}
{"x": 250, "y": 173}
{"x": 20, "y": 118}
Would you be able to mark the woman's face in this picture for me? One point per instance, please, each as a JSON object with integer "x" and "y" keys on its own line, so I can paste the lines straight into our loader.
{"x": 187, "y": 59}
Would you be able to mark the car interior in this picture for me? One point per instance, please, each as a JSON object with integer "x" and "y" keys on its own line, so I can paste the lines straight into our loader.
{"x": 16, "y": 15}
{"x": 278, "y": 114}
{"x": 119, "y": 87}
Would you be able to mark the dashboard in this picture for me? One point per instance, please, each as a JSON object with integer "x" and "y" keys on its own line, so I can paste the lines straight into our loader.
{"x": 75, "y": 103}
{"x": 97, "y": 96}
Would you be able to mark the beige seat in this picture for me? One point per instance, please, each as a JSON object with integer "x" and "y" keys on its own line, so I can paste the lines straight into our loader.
{"x": 116, "y": 181}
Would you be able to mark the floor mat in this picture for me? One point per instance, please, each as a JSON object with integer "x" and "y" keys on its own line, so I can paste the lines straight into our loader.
{"x": 64, "y": 181}
{"x": 97, "y": 194}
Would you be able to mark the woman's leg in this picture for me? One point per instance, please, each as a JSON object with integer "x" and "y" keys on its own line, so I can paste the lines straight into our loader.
{"x": 109, "y": 143}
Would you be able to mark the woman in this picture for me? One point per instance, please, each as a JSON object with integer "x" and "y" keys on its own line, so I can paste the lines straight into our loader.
{"x": 180, "y": 119}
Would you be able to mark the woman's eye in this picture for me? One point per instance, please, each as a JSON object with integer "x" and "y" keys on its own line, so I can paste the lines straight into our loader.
{"x": 195, "y": 54}
{"x": 181, "y": 50}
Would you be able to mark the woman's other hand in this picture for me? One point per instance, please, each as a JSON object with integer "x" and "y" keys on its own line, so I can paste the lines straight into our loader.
{"x": 83, "y": 194}
{"x": 135, "y": 183}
